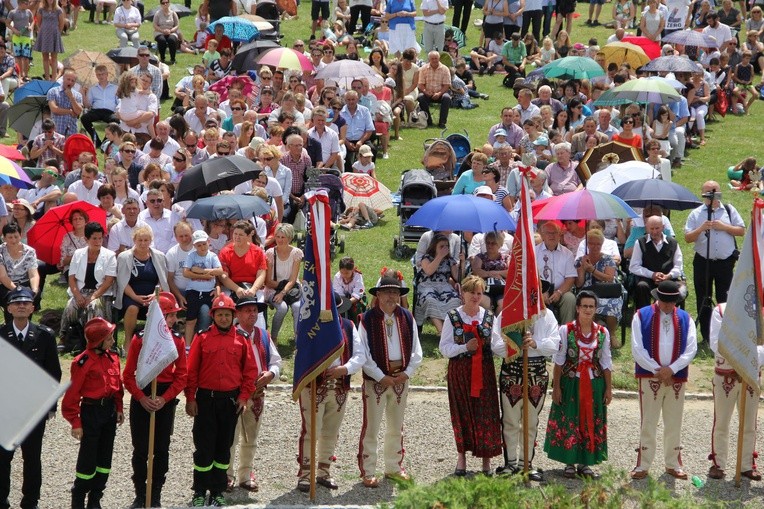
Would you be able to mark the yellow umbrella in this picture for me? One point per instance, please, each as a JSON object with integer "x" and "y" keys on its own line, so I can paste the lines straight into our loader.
{"x": 620, "y": 52}
{"x": 84, "y": 63}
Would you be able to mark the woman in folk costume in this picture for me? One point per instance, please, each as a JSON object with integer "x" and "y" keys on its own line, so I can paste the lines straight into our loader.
{"x": 576, "y": 433}
{"x": 470, "y": 335}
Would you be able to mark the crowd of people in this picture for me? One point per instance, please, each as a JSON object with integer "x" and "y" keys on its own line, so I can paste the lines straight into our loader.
{"x": 290, "y": 122}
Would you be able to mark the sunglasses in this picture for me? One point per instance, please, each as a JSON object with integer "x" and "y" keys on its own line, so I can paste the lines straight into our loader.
{"x": 128, "y": 151}
{"x": 237, "y": 109}
{"x": 266, "y": 159}
{"x": 486, "y": 172}
{"x": 222, "y": 153}
{"x": 179, "y": 159}
{"x": 144, "y": 55}
{"x": 158, "y": 200}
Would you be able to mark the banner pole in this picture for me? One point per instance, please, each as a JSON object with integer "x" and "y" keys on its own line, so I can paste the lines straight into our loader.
{"x": 740, "y": 430}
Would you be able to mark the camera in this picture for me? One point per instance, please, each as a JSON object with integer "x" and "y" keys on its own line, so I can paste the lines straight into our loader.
{"x": 711, "y": 195}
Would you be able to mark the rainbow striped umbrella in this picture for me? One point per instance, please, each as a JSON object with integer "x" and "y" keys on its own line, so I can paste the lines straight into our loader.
{"x": 582, "y": 204}
{"x": 285, "y": 58}
{"x": 12, "y": 173}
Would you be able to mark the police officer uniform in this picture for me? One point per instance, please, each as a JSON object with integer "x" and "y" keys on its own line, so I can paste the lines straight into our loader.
{"x": 39, "y": 344}
{"x": 170, "y": 382}
{"x": 93, "y": 404}
{"x": 221, "y": 377}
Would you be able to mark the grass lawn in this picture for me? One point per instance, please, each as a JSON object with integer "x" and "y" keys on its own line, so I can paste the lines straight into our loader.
{"x": 729, "y": 141}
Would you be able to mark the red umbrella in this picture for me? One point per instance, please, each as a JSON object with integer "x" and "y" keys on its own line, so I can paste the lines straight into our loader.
{"x": 222, "y": 86}
{"x": 48, "y": 232}
{"x": 652, "y": 49}
{"x": 11, "y": 153}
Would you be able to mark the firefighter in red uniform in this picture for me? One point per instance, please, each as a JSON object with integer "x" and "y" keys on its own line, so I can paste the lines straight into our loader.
{"x": 93, "y": 406}
{"x": 221, "y": 379}
{"x": 170, "y": 383}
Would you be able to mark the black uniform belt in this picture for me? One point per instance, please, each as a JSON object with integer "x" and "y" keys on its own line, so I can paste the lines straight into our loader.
{"x": 98, "y": 402}
{"x": 209, "y": 393}
{"x": 433, "y": 24}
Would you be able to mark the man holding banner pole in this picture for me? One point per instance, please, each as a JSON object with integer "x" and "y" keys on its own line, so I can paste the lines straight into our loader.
{"x": 165, "y": 353}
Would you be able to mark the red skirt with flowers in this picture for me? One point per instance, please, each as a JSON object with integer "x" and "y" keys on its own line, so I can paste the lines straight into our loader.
{"x": 476, "y": 421}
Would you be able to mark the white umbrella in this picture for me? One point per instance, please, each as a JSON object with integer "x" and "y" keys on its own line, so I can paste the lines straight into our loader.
{"x": 343, "y": 72}
{"x": 614, "y": 175}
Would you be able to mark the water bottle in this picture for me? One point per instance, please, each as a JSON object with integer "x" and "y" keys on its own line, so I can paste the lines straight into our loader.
{"x": 697, "y": 481}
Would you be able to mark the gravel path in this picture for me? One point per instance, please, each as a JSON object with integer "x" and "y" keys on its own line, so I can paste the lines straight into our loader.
{"x": 430, "y": 455}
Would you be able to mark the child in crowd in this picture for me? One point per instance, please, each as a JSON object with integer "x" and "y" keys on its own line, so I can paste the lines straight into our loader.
{"x": 217, "y": 237}
{"x": 211, "y": 54}
{"x": 500, "y": 138}
{"x": 364, "y": 164}
{"x": 21, "y": 27}
{"x": 459, "y": 96}
{"x": 348, "y": 282}
{"x": 542, "y": 152}
{"x": 548, "y": 52}
{"x": 200, "y": 36}
{"x": 744, "y": 90}
{"x": 202, "y": 269}
{"x": 750, "y": 176}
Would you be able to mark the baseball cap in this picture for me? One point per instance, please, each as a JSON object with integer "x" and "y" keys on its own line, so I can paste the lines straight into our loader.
{"x": 199, "y": 236}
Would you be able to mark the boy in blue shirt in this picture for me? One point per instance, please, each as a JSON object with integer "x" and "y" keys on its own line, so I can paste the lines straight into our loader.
{"x": 202, "y": 269}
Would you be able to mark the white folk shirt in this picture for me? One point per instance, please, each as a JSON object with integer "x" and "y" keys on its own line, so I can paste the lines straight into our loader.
{"x": 665, "y": 345}
{"x": 394, "y": 353}
{"x": 555, "y": 265}
{"x": 636, "y": 268}
{"x": 358, "y": 359}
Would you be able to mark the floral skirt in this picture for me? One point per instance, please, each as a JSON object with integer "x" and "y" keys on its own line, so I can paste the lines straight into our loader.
{"x": 564, "y": 440}
{"x": 476, "y": 421}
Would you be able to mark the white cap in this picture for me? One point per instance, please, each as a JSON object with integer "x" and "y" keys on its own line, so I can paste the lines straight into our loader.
{"x": 199, "y": 236}
{"x": 484, "y": 191}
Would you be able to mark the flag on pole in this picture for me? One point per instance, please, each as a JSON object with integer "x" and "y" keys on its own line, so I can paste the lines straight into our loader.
{"x": 741, "y": 331}
{"x": 24, "y": 404}
{"x": 319, "y": 336}
{"x": 522, "y": 291}
{"x": 158, "y": 350}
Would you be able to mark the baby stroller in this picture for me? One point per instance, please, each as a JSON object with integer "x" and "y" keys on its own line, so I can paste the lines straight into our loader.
{"x": 417, "y": 188}
{"x": 461, "y": 145}
{"x": 440, "y": 160}
{"x": 332, "y": 184}
{"x": 269, "y": 11}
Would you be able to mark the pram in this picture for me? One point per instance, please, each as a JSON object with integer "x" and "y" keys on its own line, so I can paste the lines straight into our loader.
{"x": 461, "y": 145}
{"x": 269, "y": 11}
{"x": 332, "y": 184}
{"x": 417, "y": 188}
{"x": 440, "y": 160}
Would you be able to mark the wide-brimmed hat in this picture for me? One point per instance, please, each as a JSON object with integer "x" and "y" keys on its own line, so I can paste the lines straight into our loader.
{"x": 387, "y": 283}
{"x": 343, "y": 305}
{"x": 251, "y": 301}
{"x": 668, "y": 291}
{"x": 24, "y": 203}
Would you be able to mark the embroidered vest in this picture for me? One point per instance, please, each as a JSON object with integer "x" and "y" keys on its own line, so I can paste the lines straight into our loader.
{"x": 374, "y": 323}
{"x": 570, "y": 367}
{"x": 262, "y": 343}
{"x": 484, "y": 329}
{"x": 650, "y": 336}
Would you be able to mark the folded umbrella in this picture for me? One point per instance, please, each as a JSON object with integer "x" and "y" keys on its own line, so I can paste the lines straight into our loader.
{"x": 669, "y": 195}
{"x": 462, "y": 212}
{"x": 25, "y": 113}
{"x": 49, "y": 231}
{"x": 228, "y": 206}
{"x": 362, "y": 188}
{"x": 215, "y": 175}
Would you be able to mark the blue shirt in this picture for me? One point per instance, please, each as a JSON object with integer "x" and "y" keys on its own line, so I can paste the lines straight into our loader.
{"x": 466, "y": 183}
{"x": 357, "y": 123}
{"x": 394, "y": 6}
{"x": 103, "y": 98}
{"x": 210, "y": 261}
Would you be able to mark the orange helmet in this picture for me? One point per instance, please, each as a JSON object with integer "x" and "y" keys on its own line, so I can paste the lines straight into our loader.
{"x": 223, "y": 302}
{"x": 167, "y": 303}
{"x": 97, "y": 330}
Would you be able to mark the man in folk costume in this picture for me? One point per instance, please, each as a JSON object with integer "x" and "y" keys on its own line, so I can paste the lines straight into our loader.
{"x": 332, "y": 388}
{"x": 268, "y": 363}
{"x": 389, "y": 334}
{"x": 542, "y": 341}
{"x": 663, "y": 345}
{"x": 727, "y": 384}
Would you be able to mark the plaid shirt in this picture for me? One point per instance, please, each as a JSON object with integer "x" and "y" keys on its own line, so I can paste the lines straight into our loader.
{"x": 434, "y": 79}
{"x": 298, "y": 167}
{"x": 58, "y": 142}
{"x": 156, "y": 77}
{"x": 65, "y": 124}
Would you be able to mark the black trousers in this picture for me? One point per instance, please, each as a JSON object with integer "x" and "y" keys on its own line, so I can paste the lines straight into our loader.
{"x": 445, "y": 105}
{"x": 99, "y": 426}
{"x": 213, "y": 433}
{"x": 97, "y": 115}
{"x": 139, "y": 433}
{"x": 532, "y": 17}
{"x": 165, "y": 42}
{"x": 642, "y": 291}
{"x": 352, "y": 156}
{"x": 719, "y": 277}
{"x": 364, "y": 11}
{"x": 31, "y": 451}
{"x": 462, "y": 11}
{"x": 548, "y": 15}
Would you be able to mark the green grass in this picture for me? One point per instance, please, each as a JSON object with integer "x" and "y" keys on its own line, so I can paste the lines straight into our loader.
{"x": 729, "y": 141}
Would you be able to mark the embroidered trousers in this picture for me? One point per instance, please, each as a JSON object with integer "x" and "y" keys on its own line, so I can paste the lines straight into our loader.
{"x": 655, "y": 398}
{"x": 330, "y": 409}
{"x": 391, "y": 402}
{"x": 249, "y": 423}
{"x": 726, "y": 398}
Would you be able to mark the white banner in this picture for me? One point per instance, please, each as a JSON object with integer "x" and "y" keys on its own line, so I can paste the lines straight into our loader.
{"x": 158, "y": 349}
{"x": 28, "y": 394}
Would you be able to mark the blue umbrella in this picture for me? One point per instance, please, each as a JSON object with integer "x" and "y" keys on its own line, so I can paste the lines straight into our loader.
{"x": 228, "y": 206}
{"x": 34, "y": 87}
{"x": 462, "y": 212}
{"x": 642, "y": 193}
{"x": 237, "y": 29}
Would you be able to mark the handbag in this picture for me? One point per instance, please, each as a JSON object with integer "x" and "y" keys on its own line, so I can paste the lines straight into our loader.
{"x": 722, "y": 103}
{"x": 607, "y": 290}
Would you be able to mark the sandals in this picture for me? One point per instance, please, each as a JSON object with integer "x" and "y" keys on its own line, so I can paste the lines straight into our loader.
{"x": 586, "y": 472}
{"x": 569, "y": 472}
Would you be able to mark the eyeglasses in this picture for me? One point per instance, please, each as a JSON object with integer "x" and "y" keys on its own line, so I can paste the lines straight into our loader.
{"x": 236, "y": 108}
{"x": 127, "y": 151}
{"x": 328, "y": 52}
{"x": 179, "y": 159}
{"x": 157, "y": 200}
{"x": 299, "y": 45}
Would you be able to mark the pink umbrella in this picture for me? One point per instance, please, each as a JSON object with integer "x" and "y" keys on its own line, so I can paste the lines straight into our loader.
{"x": 222, "y": 86}
{"x": 652, "y": 48}
{"x": 285, "y": 58}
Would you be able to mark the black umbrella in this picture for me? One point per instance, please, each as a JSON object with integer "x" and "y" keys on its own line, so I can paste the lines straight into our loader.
{"x": 642, "y": 193}
{"x": 181, "y": 10}
{"x": 23, "y": 115}
{"x": 215, "y": 175}
{"x": 228, "y": 206}
{"x": 244, "y": 60}
{"x": 128, "y": 55}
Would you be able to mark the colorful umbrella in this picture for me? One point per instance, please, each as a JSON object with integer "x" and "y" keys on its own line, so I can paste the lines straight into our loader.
{"x": 669, "y": 195}
{"x": 343, "y": 72}
{"x": 645, "y": 91}
{"x": 592, "y": 159}
{"x": 691, "y": 38}
{"x": 624, "y": 52}
{"x": 14, "y": 173}
{"x": 363, "y": 188}
{"x": 11, "y": 153}
{"x": 651, "y": 48}
{"x": 285, "y": 58}
{"x": 84, "y": 63}
{"x": 573, "y": 68}
{"x": 222, "y": 86}
{"x": 49, "y": 231}
{"x": 462, "y": 212}
{"x": 673, "y": 63}
{"x": 34, "y": 174}
{"x": 614, "y": 175}
{"x": 582, "y": 204}
{"x": 235, "y": 28}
